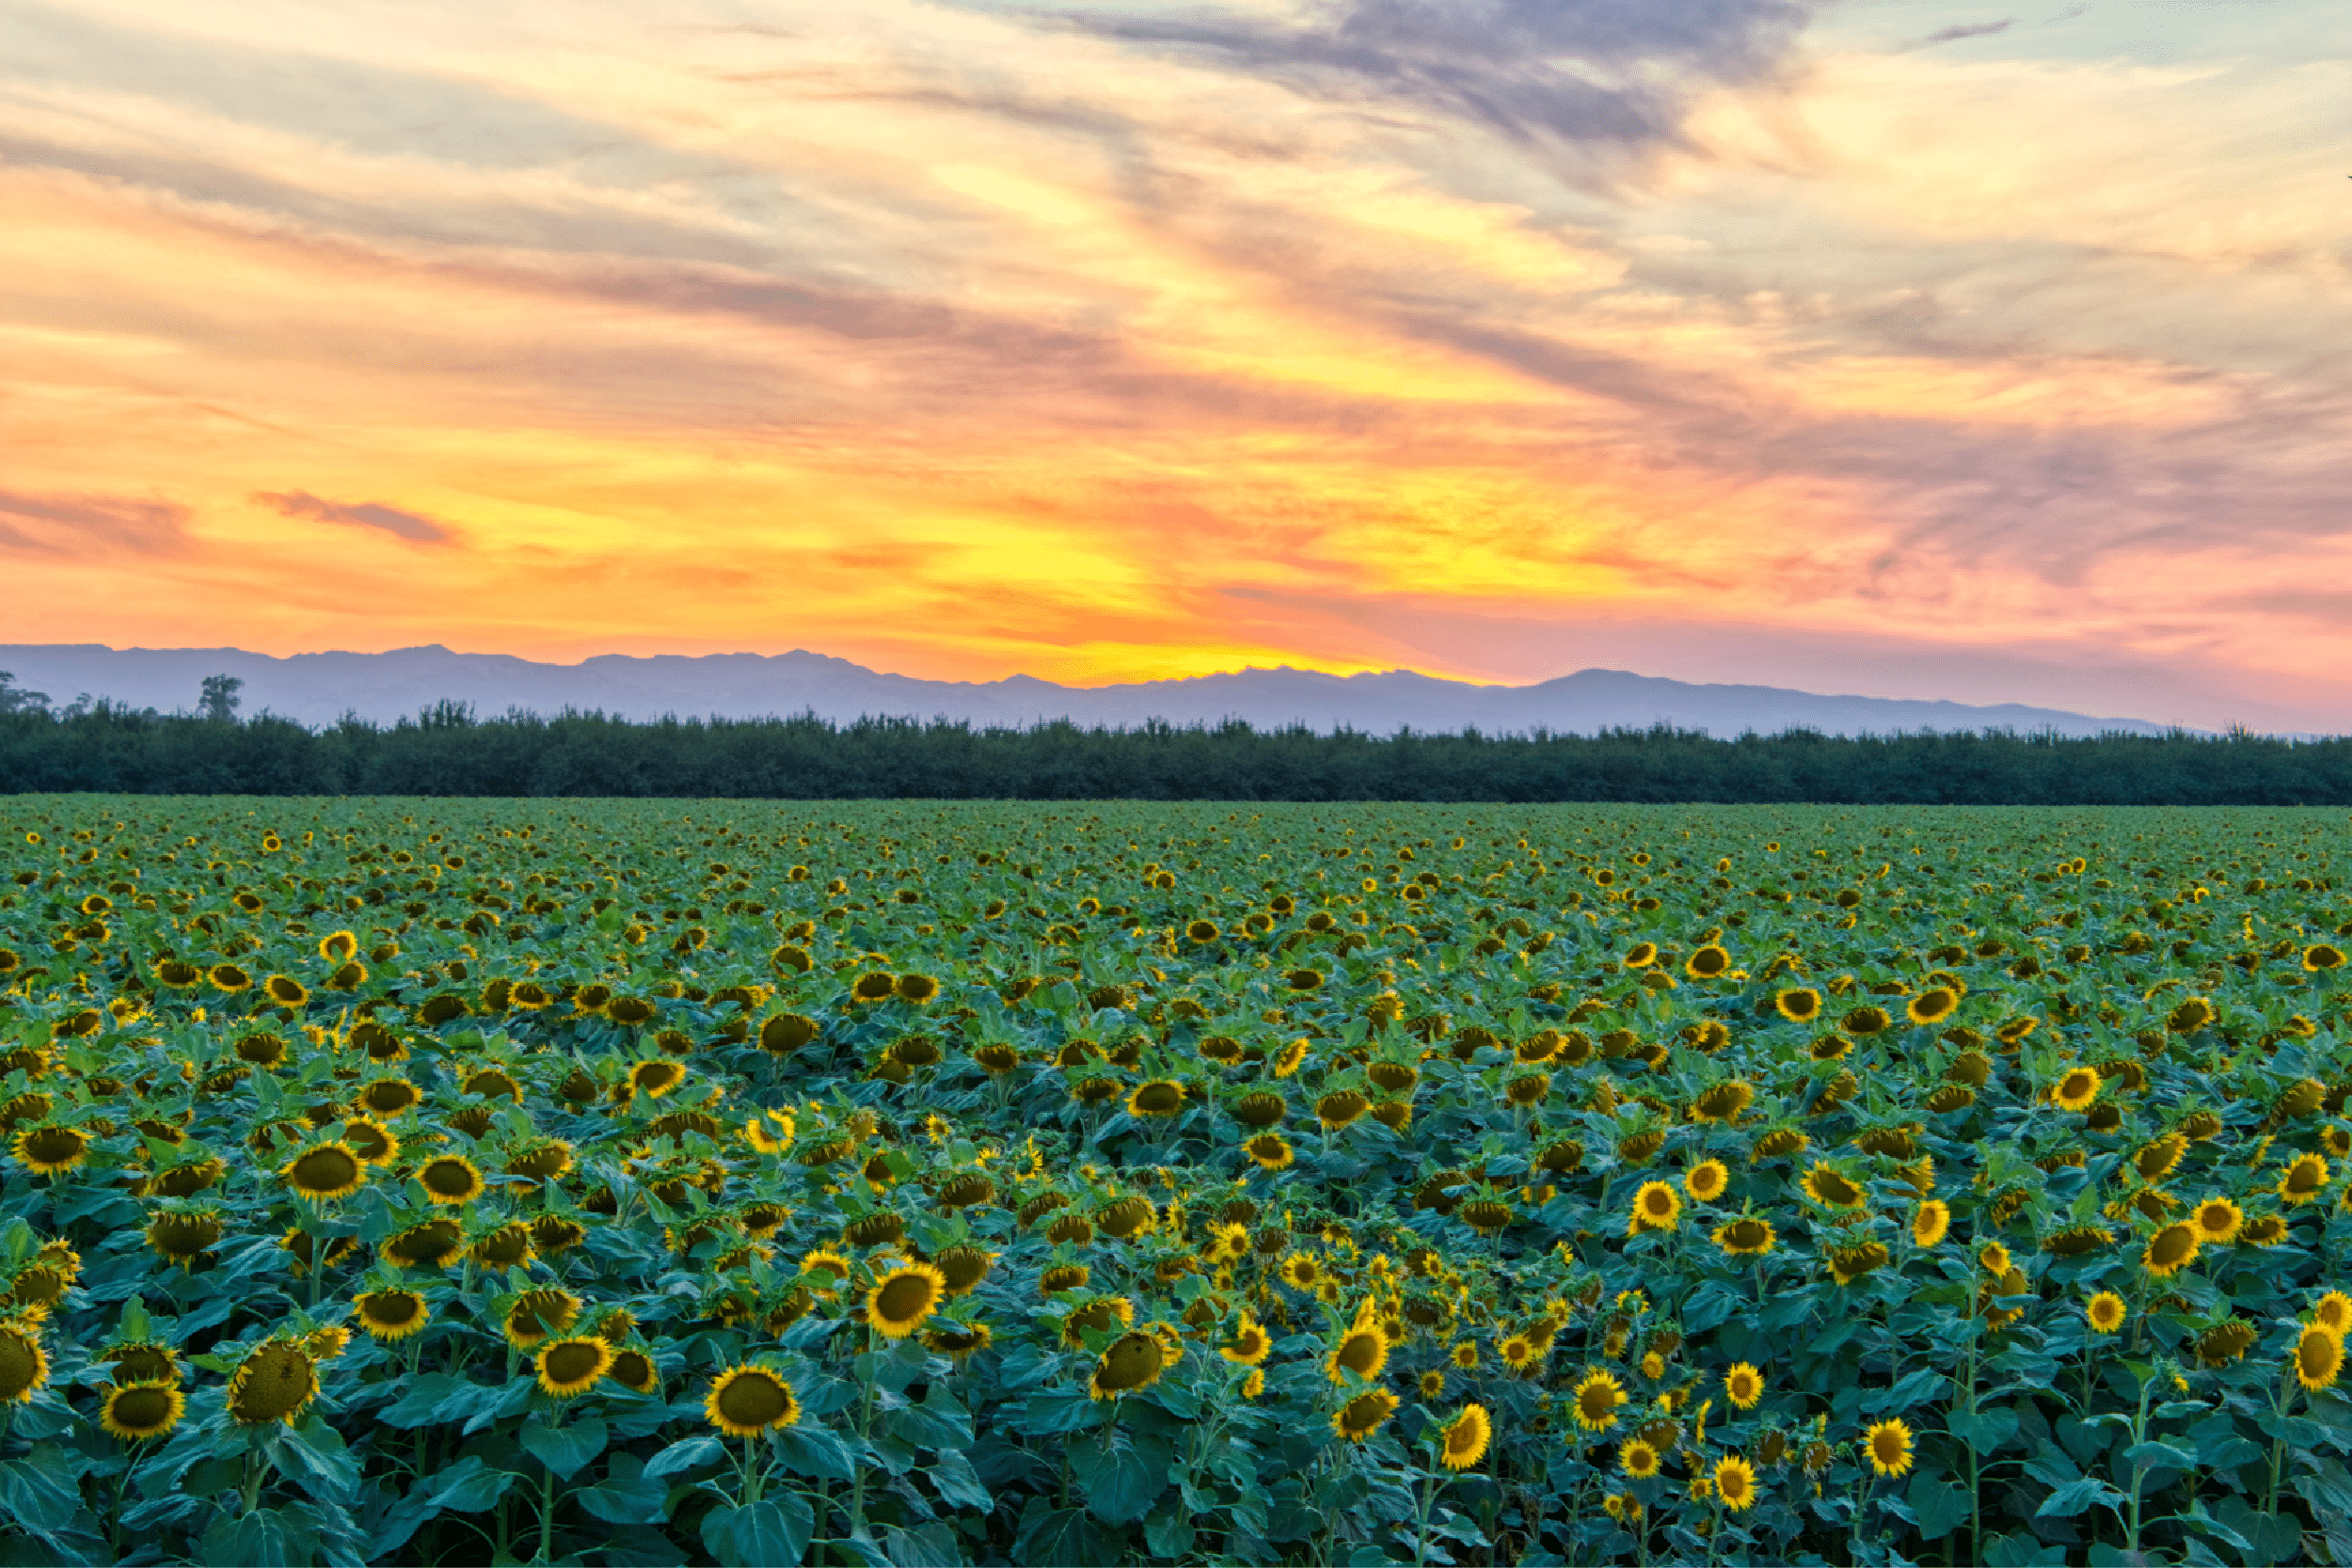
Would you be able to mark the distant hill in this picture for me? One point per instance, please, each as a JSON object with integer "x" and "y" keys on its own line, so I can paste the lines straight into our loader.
{"x": 317, "y": 689}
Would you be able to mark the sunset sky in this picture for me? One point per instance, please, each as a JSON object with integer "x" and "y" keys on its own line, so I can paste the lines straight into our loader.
{"x": 1901, "y": 348}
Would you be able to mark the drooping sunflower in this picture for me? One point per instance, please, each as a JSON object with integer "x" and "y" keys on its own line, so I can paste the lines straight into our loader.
{"x": 655, "y": 1078}
{"x": 138, "y": 1411}
{"x": 1597, "y": 1400}
{"x": 572, "y": 1365}
{"x": 2305, "y": 1177}
{"x": 185, "y": 1236}
{"x": 1361, "y": 1417}
{"x": 1289, "y": 1059}
{"x": 1890, "y": 1445}
{"x": 1706, "y": 1180}
{"x": 2318, "y": 1358}
{"x": 1744, "y": 1236}
{"x": 277, "y": 1378}
{"x": 1829, "y": 1187}
{"x": 2171, "y": 1250}
{"x": 1462, "y": 1442}
{"x": 450, "y": 1179}
{"x": 1156, "y": 1098}
{"x": 1743, "y": 1385}
{"x": 324, "y": 1171}
{"x": 538, "y": 1315}
{"x": 2104, "y": 1312}
{"x": 746, "y": 1400}
{"x": 897, "y": 1304}
{"x": 1269, "y": 1152}
{"x": 23, "y": 1365}
{"x": 372, "y": 1141}
{"x": 1131, "y": 1362}
{"x": 633, "y": 1369}
{"x": 1932, "y": 1222}
{"x": 1933, "y": 1006}
{"x": 51, "y": 1150}
{"x": 390, "y": 1314}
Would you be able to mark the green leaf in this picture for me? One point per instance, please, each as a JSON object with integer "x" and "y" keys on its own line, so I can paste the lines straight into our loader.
{"x": 814, "y": 1451}
{"x": 771, "y": 1534}
{"x": 1940, "y": 1506}
{"x": 261, "y": 1539}
{"x": 2157, "y": 1455}
{"x": 563, "y": 1450}
{"x": 958, "y": 1485}
{"x": 1988, "y": 1428}
{"x": 2077, "y": 1496}
{"x": 1169, "y": 1530}
{"x": 39, "y": 1493}
{"x": 687, "y": 1453}
{"x": 468, "y": 1486}
{"x": 931, "y": 1546}
{"x": 624, "y": 1496}
{"x": 313, "y": 1457}
{"x": 1122, "y": 1482}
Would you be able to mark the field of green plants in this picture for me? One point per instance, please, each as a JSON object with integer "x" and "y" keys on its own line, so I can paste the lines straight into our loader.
{"x": 668, "y": 1182}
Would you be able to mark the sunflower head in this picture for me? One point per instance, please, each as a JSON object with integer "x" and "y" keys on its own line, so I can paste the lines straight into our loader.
{"x": 572, "y": 1365}
{"x": 746, "y": 1400}
{"x": 1743, "y": 1385}
{"x": 1889, "y": 1447}
{"x": 274, "y": 1383}
{"x": 2104, "y": 1312}
{"x": 1132, "y": 1361}
{"x": 1361, "y": 1417}
{"x": 142, "y": 1409}
{"x": 1597, "y": 1400}
{"x": 324, "y": 1171}
{"x": 901, "y": 1299}
{"x": 1462, "y": 1442}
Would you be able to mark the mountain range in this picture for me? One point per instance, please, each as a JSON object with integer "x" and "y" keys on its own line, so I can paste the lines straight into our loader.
{"x": 319, "y": 689}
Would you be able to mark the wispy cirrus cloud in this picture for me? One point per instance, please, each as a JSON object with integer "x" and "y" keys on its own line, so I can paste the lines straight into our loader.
{"x": 387, "y": 519}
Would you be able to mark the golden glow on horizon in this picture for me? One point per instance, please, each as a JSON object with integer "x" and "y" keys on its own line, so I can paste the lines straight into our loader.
{"x": 961, "y": 346}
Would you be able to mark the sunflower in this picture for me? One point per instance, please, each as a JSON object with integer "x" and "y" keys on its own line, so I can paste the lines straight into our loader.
{"x": 434, "y": 1245}
{"x": 1933, "y": 1006}
{"x": 1889, "y": 1443}
{"x": 634, "y": 1370}
{"x": 1735, "y": 1482}
{"x": 2171, "y": 1250}
{"x": 391, "y": 1314}
{"x": 538, "y": 1315}
{"x": 509, "y": 1246}
{"x": 1743, "y": 1385}
{"x": 2217, "y": 1221}
{"x": 1931, "y": 1224}
{"x": 1363, "y": 1350}
{"x": 1654, "y": 1208}
{"x": 918, "y": 989}
{"x": 1157, "y": 1097}
{"x": 1799, "y": 1004}
{"x": 2323, "y": 957}
{"x": 1465, "y": 1355}
{"x": 372, "y": 1141}
{"x": 450, "y": 1179}
{"x": 1994, "y": 1259}
{"x": 142, "y": 1361}
{"x": 1827, "y": 1186}
{"x": 655, "y": 1079}
{"x": 1706, "y": 1180}
{"x": 23, "y": 1365}
{"x": 275, "y": 1381}
{"x": 327, "y": 1170}
{"x": 876, "y": 985}
{"x": 2104, "y": 1312}
{"x": 2304, "y": 1179}
{"x": 1706, "y": 962}
{"x": 1131, "y": 1362}
{"x": 1597, "y": 1400}
{"x": 51, "y": 1150}
{"x": 185, "y": 1236}
{"x": 1269, "y": 1152}
{"x": 1290, "y": 1058}
{"x": 896, "y": 1307}
{"x": 1746, "y": 1235}
{"x": 137, "y": 1411}
{"x": 744, "y": 1401}
{"x": 2333, "y": 1312}
{"x": 1516, "y": 1352}
{"x": 1641, "y": 955}
{"x": 1361, "y": 1417}
{"x": 2318, "y": 1357}
{"x": 958, "y": 1342}
{"x": 2076, "y": 1090}
{"x": 229, "y": 977}
{"x": 338, "y": 947}
{"x": 1432, "y": 1384}
{"x": 569, "y": 1367}
{"x": 1462, "y": 1441}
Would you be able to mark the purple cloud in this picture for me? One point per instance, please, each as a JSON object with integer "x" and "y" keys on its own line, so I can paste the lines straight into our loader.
{"x": 407, "y": 525}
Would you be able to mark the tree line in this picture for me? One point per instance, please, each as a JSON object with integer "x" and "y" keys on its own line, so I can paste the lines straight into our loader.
{"x": 448, "y": 751}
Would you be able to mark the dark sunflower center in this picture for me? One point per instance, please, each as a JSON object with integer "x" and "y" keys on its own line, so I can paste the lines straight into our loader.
{"x": 276, "y": 1381}
{"x": 141, "y": 1410}
{"x": 325, "y": 1171}
{"x": 904, "y": 1298}
{"x": 1131, "y": 1363}
{"x": 20, "y": 1364}
{"x": 448, "y": 1177}
{"x": 753, "y": 1400}
{"x": 575, "y": 1361}
{"x": 392, "y": 1309}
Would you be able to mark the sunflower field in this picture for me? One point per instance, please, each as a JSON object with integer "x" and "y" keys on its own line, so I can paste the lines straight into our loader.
{"x": 777, "y": 1183}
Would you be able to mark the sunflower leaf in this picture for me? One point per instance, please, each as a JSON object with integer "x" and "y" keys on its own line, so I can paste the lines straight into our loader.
{"x": 563, "y": 1450}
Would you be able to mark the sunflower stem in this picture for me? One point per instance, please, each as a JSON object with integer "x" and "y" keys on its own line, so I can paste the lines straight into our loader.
{"x": 546, "y": 1514}
{"x": 2280, "y": 1403}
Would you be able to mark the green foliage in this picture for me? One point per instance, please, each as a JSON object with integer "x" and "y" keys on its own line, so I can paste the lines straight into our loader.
{"x": 735, "y": 1068}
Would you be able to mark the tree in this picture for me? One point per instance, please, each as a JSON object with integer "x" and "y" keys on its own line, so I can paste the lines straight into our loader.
{"x": 15, "y": 699}
{"x": 219, "y": 703}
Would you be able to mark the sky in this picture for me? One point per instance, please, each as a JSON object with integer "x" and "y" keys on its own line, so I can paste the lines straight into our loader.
{"x": 1991, "y": 352}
